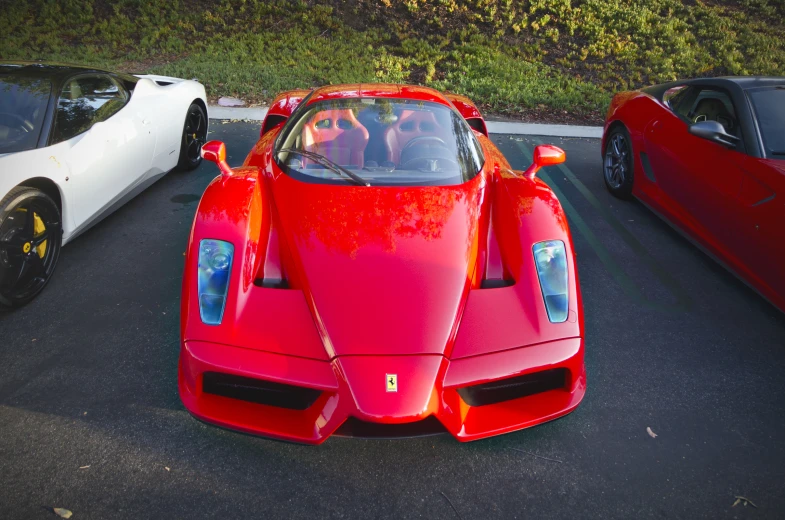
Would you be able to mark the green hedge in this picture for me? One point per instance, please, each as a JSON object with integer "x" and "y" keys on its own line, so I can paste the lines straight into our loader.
{"x": 511, "y": 56}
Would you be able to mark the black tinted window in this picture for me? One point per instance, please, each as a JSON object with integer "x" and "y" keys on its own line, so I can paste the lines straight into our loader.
{"x": 770, "y": 110}
{"x": 675, "y": 95}
{"x": 23, "y": 102}
{"x": 84, "y": 101}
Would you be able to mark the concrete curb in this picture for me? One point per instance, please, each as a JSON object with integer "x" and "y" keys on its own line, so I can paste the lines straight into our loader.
{"x": 494, "y": 127}
{"x": 254, "y": 114}
{"x": 502, "y": 127}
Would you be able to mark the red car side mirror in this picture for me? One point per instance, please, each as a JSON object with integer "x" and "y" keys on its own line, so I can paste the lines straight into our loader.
{"x": 215, "y": 151}
{"x": 545, "y": 155}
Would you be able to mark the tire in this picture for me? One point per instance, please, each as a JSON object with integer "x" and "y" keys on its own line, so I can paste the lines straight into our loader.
{"x": 30, "y": 240}
{"x": 618, "y": 163}
{"x": 194, "y": 136}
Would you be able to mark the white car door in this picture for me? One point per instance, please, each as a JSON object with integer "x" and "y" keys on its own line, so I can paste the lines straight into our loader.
{"x": 110, "y": 144}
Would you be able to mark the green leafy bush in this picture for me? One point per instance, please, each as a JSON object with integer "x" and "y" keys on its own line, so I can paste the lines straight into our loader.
{"x": 511, "y": 56}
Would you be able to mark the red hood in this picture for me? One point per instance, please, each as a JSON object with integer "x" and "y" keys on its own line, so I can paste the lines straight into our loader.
{"x": 384, "y": 270}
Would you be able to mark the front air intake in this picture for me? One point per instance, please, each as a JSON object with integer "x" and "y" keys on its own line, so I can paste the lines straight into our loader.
{"x": 259, "y": 391}
{"x": 354, "y": 427}
{"x": 514, "y": 387}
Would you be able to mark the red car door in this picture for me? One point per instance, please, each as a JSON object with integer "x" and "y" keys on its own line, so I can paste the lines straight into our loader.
{"x": 700, "y": 180}
{"x": 759, "y": 234}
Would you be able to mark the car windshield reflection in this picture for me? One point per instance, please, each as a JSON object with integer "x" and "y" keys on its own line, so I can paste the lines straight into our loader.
{"x": 23, "y": 102}
{"x": 383, "y": 141}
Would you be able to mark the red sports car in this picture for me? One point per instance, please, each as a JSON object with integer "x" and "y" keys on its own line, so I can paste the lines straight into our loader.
{"x": 375, "y": 268}
{"x": 708, "y": 156}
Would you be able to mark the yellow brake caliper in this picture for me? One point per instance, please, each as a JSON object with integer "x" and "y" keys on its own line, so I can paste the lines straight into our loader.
{"x": 38, "y": 229}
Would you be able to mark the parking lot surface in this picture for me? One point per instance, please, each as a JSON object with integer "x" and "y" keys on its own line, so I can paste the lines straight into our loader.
{"x": 90, "y": 419}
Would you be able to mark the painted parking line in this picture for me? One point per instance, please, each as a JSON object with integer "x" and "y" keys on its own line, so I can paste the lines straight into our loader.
{"x": 683, "y": 301}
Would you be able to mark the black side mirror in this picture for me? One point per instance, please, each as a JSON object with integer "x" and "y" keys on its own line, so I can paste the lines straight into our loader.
{"x": 714, "y": 131}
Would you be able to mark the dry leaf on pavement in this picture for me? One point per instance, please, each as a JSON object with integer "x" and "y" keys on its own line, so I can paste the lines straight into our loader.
{"x": 744, "y": 500}
{"x": 62, "y": 513}
{"x": 651, "y": 433}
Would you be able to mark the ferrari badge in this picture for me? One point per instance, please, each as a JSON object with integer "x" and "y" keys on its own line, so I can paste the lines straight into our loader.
{"x": 392, "y": 382}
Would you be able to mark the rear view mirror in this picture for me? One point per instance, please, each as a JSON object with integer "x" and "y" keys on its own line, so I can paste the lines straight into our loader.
{"x": 545, "y": 155}
{"x": 215, "y": 151}
{"x": 714, "y": 131}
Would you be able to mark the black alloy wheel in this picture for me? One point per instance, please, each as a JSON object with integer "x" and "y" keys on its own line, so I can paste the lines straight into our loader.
{"x": 30, "y": 242}
{"x": 194, "y": 136}
{"x": 618, "y": 163}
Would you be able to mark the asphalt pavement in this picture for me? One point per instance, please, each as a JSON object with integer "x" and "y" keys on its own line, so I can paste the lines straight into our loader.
{"x": 90, "y": 419}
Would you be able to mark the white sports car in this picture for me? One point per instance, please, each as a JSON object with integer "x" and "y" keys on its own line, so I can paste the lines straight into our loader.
{"x": 75, "y": 144}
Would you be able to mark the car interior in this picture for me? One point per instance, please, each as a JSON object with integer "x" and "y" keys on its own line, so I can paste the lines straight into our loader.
{"x": 712, "y": 109}
{"x": 372, "y": 139}
{"x": 714, "y": 105}
{"x": 337, "y": 135}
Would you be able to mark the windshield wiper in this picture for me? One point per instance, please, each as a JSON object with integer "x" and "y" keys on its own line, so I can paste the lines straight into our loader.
{"x": 327, "y": 163}
{"x": 777, "y": 152}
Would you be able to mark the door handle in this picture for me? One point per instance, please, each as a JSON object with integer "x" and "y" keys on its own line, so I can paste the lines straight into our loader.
{"x": 145, "y": 122}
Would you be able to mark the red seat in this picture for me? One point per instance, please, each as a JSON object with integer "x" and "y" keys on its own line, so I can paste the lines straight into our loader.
{"x": 337, "y": 135}
{"x": 410, "y": 124}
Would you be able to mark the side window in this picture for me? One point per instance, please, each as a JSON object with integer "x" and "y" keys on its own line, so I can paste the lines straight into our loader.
{"x": 85, "y": 101}
{"x": 674, "y": 95}
{"x": 696, "y": 104}
{"x": 682, "y": 102}
{"x": 712, "y": 105}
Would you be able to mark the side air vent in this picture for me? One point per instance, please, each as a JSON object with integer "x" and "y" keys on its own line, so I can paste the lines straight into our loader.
{"x": 357, "y": 428}
{"x": 270, "y": 122}
{"x": 271, "y": 283}
{"x": 514, "y": 387}
{"x": 259, "y": 391}
{"x": 647, "y": 167}
{"x": 496, "y": 283}
{"x": 478, "y": 124}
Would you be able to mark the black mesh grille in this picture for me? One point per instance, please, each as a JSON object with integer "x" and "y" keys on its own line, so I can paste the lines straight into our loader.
{"x": 514, "y": 387}
{"x": 354, "y": 427}
{"x": 259, "y": 391}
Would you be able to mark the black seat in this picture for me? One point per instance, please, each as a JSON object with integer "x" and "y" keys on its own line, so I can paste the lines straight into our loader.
{"x": 710, "y": 109}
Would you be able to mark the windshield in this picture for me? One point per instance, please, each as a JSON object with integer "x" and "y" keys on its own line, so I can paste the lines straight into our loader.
{"x": 769, "y": 106}
{"x": 23, "y": 103}
{"x": 381, "y": 142}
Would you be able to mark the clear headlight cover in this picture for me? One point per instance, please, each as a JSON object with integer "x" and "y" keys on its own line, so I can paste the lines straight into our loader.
{"x": 215, "y": 265}
{"x": 550, "y": 258}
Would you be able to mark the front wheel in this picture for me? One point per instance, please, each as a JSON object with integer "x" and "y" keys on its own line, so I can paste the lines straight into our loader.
{"x": 194, "y": 136}
{"x": 618, "y": 163}
{"x": 30, "y": 241}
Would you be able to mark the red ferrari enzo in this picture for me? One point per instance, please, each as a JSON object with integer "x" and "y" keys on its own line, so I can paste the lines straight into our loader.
{"x": 708, "y": 156}
{"x": 375, "y": 268}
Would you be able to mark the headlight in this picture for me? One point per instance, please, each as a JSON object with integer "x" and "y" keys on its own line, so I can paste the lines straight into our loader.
{"x": 215, "y": 264}
{"x": 551, "y": 260}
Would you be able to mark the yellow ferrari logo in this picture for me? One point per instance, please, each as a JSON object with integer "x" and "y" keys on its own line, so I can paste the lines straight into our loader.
{"x": 392, "y": 382}
{"x": 26, "y": 248}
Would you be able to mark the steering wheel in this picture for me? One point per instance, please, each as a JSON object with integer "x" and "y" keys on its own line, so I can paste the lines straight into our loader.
{"x": 428, "y": 159}
{"x": 20, "y": 121}
{"x": 421, "y": 138}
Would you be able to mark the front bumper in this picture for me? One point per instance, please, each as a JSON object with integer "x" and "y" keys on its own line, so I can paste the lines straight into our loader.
{"x": 354, "y": 388}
